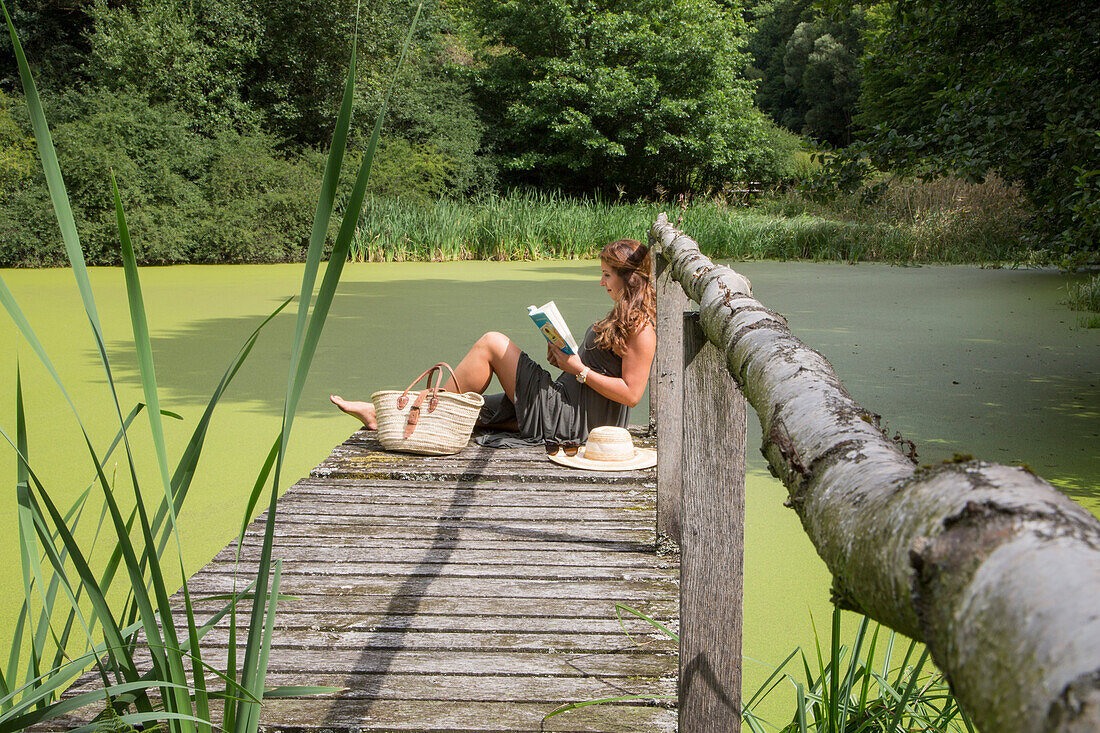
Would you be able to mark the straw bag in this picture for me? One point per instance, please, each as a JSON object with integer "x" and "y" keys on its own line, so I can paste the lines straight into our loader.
{"x": 431, "y": 422}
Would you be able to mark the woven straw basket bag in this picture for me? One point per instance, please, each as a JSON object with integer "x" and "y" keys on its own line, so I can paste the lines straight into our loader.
{"x": 431, "y": 422}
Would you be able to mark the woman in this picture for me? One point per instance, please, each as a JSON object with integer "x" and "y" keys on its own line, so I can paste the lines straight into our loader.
{"x": 596, "y": 387}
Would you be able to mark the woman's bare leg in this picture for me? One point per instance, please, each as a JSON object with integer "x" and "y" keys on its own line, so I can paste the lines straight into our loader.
{"x": 362, "y": 410}
{"x": 493, "y": 353}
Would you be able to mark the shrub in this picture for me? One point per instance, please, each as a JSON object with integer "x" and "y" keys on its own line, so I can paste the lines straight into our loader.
{"x": 155, "y": 157}
{"x": 1085, "y": 296}
{"x": 778, "y": 156}
{"x": 260, "y": 202}
{"x": 190, "y": 198}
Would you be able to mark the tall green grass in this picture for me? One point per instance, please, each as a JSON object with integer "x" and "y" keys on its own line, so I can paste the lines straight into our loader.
{"x": 534, "y": 225}
{"x": 843, "y": 690}
{"x": 1085, "y": 296}
{"x": 145, "y": 649}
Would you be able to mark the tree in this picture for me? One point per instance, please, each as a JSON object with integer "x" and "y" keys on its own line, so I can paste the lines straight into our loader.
{"x": 432, "y": 132}
{"x": 807, "y": 62}
{"x": 53, "y": 36}
{"x": 1010, "y": 87}
{"x": 639, "y": 94}
{"x": 191, "y": 54}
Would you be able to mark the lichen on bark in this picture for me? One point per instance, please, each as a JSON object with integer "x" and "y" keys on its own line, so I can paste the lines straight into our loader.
{"x": 992, "y": 568}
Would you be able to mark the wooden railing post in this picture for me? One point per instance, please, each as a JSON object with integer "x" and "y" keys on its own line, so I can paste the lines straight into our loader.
{"x": 713, "y": 538}
{"x": 993, "y": 568}
{"x": 666, "y": 395}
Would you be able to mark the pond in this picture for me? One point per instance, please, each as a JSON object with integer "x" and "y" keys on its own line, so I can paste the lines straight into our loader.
{"x": 958, "y": 359}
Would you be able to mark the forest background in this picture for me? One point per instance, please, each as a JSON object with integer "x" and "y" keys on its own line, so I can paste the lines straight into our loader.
{"x": 963, "y": 130}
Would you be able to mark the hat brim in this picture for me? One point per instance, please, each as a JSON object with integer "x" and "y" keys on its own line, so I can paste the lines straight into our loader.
{"x": 643, "y": 458}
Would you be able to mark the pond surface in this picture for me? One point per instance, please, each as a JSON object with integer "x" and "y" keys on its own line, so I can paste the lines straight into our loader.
{"x": 958, "y": 359}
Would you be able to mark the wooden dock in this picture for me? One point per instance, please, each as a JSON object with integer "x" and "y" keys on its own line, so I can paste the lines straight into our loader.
{"x": 468, "y": 592}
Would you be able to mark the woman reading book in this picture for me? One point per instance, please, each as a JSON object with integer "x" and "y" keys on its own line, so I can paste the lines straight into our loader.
{"x": 597, "y": 387}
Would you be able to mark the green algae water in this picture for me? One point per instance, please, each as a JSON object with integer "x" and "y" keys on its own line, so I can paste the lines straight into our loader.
{"x": 957, "y": 359}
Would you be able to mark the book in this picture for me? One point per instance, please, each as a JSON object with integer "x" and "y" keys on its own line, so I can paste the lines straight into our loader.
{"x": 553, "y": 327}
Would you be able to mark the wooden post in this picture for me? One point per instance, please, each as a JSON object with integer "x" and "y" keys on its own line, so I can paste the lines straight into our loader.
{"x": 666, "y": 385}
{"x": 712, "y": 546}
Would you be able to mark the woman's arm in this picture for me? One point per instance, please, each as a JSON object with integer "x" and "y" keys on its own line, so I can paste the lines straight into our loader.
{"x": 637, "y": 359}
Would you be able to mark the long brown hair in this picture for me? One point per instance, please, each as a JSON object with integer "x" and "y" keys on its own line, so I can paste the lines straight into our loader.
{"x": 630, "y": 260}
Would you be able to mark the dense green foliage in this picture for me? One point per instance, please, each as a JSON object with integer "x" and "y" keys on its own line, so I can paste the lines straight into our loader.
{"x": 211, "y": 115}
{"x": 54, "y": 38}
{"x": 1009, "y": 87}
{"x": 218, "y": 109}
{"x": 632, "y": 95}
{"x": 189, "y": 197}
{"x": 807, "y": 62}
{"x": 909, "y": 223}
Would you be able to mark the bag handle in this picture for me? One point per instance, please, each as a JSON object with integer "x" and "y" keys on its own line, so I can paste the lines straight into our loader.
{"x": 404, "y": 398}
{"x": 414, "y": 412}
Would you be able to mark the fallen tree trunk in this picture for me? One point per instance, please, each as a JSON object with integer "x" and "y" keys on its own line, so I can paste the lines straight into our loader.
{"x": 995, "y": 570}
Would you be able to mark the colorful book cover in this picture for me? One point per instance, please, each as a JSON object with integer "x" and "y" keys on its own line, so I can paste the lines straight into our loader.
{"x": 553, "y": 327}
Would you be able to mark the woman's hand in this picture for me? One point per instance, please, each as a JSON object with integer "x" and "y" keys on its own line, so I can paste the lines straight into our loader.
{"x": 567, "y": 363}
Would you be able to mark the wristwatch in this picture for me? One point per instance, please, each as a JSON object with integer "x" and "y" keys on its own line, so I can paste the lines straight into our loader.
{"x": 582, "y": 377}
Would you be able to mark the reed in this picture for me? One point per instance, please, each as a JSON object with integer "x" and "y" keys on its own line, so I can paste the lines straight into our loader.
{"x": 1085, "y": 296}
{"x": 846, "y": 690}
{"x": 71, "y": 618}
{"x": 913, "y": 225}
{"x": 843, "y": 692}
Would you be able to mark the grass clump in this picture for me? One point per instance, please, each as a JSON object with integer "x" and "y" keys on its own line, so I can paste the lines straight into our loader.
{"x": 1085, "y": 296}
{"x": 843, "y": 689}
{"x": 946, "y": 220}
{"x": 909, "y": 223}
{"x": 79, "y": 614}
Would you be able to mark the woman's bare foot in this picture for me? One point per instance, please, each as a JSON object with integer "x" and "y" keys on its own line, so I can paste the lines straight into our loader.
{"x": 362, "y": 410}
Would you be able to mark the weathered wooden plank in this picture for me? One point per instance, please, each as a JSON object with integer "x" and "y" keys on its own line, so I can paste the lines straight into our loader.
{"x": 359, "y": 469}
{"x": 386, "y": 715}
{"x": 388, "y": 702}
{"x": 613, "y": 590}
{"x": 583, "y": 610}
{"x": 355, "y": 491}
{"x": 292, "y": 640}
{"x": 423, "y": 543}
{"x": 429, "y": 554}
{"x": 442, "y": 526}
{"x": 668, "y": 365}
{"x": 368, "y": 568}
{"x": 324, "y": 512}
{"x": 480, "y": 688}
{"x": 424, "y": 621}
{"x": 638, "y": 540}
{"x": 474, "y": 663}
{"x": 713, "y": 539}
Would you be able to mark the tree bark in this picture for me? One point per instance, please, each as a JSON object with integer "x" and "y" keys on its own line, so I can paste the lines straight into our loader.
{"x": 995, "y": 570}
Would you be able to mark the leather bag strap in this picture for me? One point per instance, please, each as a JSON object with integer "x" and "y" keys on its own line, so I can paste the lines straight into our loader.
{"x": 432, "y": 390}
{"x": 404, "y": 398}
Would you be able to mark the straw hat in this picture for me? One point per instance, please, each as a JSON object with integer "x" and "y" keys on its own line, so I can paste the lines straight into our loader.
{"x": 608, "y": 449}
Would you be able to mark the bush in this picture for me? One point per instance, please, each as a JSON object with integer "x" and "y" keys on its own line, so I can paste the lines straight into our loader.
{"x": 778, "y": 156}
{"x": 260, "y": 203}
{"x": 189, "y": 198}
{"x": 946, "y": 219}
{"x": 1085, "y": 296}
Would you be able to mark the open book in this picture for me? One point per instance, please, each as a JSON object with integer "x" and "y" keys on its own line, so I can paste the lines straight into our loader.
{"x": 553, "y": 327}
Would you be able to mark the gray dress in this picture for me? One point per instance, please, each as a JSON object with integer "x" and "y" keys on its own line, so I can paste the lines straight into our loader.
{"x": 561, "y": 409}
